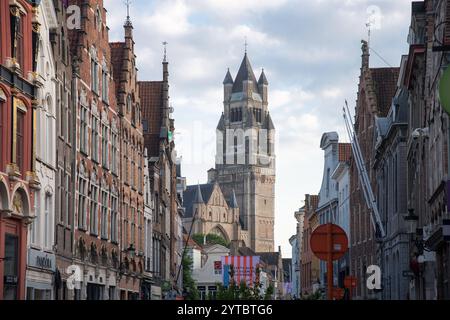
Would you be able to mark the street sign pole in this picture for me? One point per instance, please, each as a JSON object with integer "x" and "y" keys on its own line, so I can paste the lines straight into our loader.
{"x": 330, "y": 262}
{"x": 329, "y": 242}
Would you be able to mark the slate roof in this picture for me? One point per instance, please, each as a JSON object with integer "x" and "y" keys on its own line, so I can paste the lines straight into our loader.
{"x": 270, "y": 258}
{"x": 263, "y": 79}
{"x": 228, "y": 78}
{"x": 232, "y": 203}
{"x": 382, "y": 125}
{"x": 190, "y": 196}
{"x": 269, "y": 122}
{"x": 221, "y": 125}
{"x": 245, "y": 73}
{"x": 287, "y": 266}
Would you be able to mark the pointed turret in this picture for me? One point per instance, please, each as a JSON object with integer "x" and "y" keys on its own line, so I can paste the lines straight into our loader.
{"x": 227, "y": 86}
{"x": 221, "y": 125}
{"x": 198, "y": 195}
{"x": 269, "y": 123}
{"x": 228, "y": 78}
{"x": 245, "y": 74}
{"x": 233, "y": 202}
{"x": 262, "y": 79}
{"x": 262, "y": 86}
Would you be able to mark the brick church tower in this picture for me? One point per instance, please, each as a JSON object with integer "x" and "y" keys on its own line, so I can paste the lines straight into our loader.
{"x": 245, "y": 160}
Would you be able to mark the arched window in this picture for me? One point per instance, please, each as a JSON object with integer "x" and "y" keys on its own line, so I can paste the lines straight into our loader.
{"x": 49, "y": 130}
{"x": 82, "y": 197}
{"x": 98, "y": 19}
{"x": 129, "y": 103}
{"x": 94, "y": 69}
{"x": 93, "y": 218}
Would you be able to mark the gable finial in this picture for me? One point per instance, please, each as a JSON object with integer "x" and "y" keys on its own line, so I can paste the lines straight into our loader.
{"x": 128, "y": 4}
{"x": 165, "y": 50}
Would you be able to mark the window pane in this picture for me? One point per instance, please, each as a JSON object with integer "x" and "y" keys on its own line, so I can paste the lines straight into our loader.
{"x": 20, "y": 139}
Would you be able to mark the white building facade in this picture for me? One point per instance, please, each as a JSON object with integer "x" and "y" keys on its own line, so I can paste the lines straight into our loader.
{"x": 41, "y": 262}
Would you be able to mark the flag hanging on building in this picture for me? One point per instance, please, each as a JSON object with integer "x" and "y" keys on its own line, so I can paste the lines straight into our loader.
{"x": 243, "y": 269}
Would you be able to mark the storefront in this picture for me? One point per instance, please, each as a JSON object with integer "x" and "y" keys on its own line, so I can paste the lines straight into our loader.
{"x": 40, "y": 275}
{"x": 12, "y": 258}
{"x": 146, "y": 289}
{"x": 156, "y": 293}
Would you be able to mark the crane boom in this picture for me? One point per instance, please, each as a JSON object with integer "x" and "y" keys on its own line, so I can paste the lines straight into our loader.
{"x": 362, "y": 172}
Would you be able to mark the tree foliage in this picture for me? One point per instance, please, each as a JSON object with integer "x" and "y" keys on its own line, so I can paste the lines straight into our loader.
{"x": 210, "y": 239}
{"x": 189, "y": 285}
{"x": 239, "y": 292}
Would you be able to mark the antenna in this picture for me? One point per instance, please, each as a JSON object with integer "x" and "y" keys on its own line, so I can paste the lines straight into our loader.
{"x": 165, "y": 50}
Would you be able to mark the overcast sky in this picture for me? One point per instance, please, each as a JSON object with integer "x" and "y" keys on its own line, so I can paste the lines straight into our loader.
{"x": 310, "y": 51}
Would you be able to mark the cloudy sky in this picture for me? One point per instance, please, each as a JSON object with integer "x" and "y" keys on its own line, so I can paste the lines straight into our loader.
{"x": 310, "y": 51}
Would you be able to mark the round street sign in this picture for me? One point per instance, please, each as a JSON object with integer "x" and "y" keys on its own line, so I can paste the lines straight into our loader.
{"x": 329, "y": 239}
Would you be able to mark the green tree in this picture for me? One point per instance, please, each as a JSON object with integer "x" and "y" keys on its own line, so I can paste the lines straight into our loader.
{"x": 210, "y": 239}
{"x": 314, "y": 296}
{"x": 241, "y": 292}
{"x": 189, "y": 284}
{"x": 269, "y": 293}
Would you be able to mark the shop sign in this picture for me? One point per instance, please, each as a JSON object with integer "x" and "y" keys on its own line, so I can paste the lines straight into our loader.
{"x": 41, "y": 260}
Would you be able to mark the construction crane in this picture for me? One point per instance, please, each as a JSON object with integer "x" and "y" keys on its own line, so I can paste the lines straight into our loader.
{"x": 363, "y": 177}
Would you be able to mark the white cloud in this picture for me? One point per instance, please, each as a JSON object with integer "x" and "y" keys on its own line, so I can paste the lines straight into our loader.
{"x": 311, "y": 54}
{"x": 170, "y": 18}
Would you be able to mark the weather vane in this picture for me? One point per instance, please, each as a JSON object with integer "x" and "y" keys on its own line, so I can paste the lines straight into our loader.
{"x": 246, "y": 44}
{"x": 128, "y": 3}
{"x": 369, "y": 29}
{"x": 165, "y": 50}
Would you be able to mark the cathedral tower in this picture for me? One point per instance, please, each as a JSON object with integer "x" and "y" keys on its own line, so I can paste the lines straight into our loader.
{"x": 245, "y": 160}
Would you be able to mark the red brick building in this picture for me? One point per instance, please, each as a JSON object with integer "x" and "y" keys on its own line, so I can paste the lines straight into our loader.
{"x": 310, "y": 268}
{"x": 158, "y": 134}
{"x": 97, "y": 217}
{"x": 377, "y": 87}
{"x": 132, "y": 164}
{"x": 18, "y": 34}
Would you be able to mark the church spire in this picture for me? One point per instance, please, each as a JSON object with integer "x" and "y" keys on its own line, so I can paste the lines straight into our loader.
{"x": 233, "y": 203}
{"x": 245, "y": 73}
{"x": 198, "y": 195}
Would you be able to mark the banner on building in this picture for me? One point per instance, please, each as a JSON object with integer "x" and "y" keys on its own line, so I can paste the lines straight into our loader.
{"x": 240, "y": 269}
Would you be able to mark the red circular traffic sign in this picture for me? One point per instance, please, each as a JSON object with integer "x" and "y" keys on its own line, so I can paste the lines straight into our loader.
{"x": 329, "y": 241}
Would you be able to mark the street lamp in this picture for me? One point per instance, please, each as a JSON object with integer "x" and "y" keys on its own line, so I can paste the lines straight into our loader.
{"x": 411, "y": 221}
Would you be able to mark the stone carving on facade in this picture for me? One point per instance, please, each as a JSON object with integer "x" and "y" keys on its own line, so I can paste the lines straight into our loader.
{"x": 18, "y": 204}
